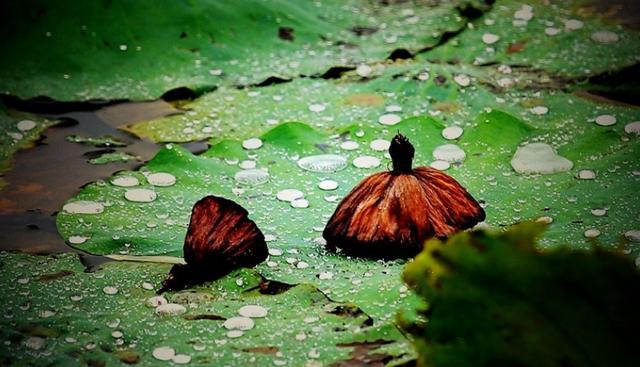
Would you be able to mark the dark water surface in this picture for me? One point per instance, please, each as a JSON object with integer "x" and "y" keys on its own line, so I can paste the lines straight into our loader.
{"x": 42, "y": 178}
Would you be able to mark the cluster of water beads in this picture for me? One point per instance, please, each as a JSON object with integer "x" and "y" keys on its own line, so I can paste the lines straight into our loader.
{"x": 237, "y": 325}
{"x": 252, "y": 177}
{"x": 166, "y": 353}
{"x": 294, "y": 197}
{"x": 539, "y": 110}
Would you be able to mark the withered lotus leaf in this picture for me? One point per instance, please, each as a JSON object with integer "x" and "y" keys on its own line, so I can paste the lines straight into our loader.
{"x": 391, "y": 214}
{"x": 220, "y": 239}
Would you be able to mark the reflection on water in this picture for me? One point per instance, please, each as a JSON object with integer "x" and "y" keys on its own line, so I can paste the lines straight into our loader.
{"x": 42, "y": 178}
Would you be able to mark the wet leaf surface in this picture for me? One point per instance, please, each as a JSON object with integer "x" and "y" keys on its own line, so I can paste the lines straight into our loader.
{"x": 302, "y": 104}
{"x": 496, "y": 298}
{"x": 103, "y": 317}
{"x": 199, "y": 45}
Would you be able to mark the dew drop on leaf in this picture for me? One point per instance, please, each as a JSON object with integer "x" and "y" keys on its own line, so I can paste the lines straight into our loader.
{"x": 140, "y": 195}
{"x": 125, "y": 181}
{"x": 323, "y": 163}
{"x": 251, "y": 177}
{"x": 452, "y": 132}
{"x": 366, "y": 161}
{"x": 161, "y": 179}
{"x": 449, "y": 153}
{"x": 389, "y": 119}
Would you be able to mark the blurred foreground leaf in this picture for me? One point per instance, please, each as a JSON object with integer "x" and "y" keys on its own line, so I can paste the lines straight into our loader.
{"x": 495, "y": 300}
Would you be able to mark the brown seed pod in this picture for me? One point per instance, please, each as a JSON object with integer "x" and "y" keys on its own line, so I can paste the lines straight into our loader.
{"x": 391, "y": 214}
{"x": 220, "y": 239}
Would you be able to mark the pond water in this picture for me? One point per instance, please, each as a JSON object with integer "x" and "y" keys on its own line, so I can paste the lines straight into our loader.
{"x": 42, "y": 178}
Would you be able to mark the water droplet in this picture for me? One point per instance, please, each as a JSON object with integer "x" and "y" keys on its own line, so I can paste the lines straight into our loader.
{"x": 440, "y": 165}
{"x": 252, "y": 311}
{"x": 83, "y": 207}
{"x": 462, "y": 80}
{"x": 26, "y": 125}
{"x": 78, "y": 240}
{"x": 539, "y": 110}
{"x": 366, "y": 161}
{"x": 248, "y": 164}
{"x": 605, "y": 120}
{"x": 633, "y": 235}
{"x": 524, "y": 13}
{"x": 34, "y": 342}
{"x": 323, "y": 163}
{"x": 289, "y": 195}
{"x": 452, "y": 132}
{"x": 251, "y": 177}
{"x": 449, "y": 153}
{"x": 506, "y": 82}
{"x": 300, "y": 203}
{"x": 15, "y": 136}
{"x": 317, "y": 107}
{"x": 156, "y": 301}
{"x": 349, "y": 145}
{"x": 380, "y": 145}
{"x": 545, "y": 219}
{"x": 600, "y": 212}
{"x": 539, "y": 158}
{"x": 389, "y": 119}
{"x": 326, "y": 275}
{"x": 591, "y": 233}
{"x": 310, "y": 319}
{"x": 117, "y": 334}
{"x": 632, "y": 128}
{"x": 586, "y": 174}
{"x": 239, "y": 323}
{"x": 605, "y": 37}
{"x": 140, "y": 195}
{"x": 490, "y": 38}
{"x": 423, "y": 76}
{"x": 110, "y": 290}
{"x": 328, "y": 185}
{"x": 275, "y": 252}
{"x": 170, "y": 309}
{"x": 125, "y": 181}
{"x": 235, "y": 334}
{"x": 573, "y": 24}
{"x": 164, "y": 353}
{"x": 161, "y": 179}
{"x": 363, "y": 70}
{"x": 251, "y": 144}
{"x": 181, "y": 359}
{"x": 552, "y": 31}
{"x": 393, "y": 108}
